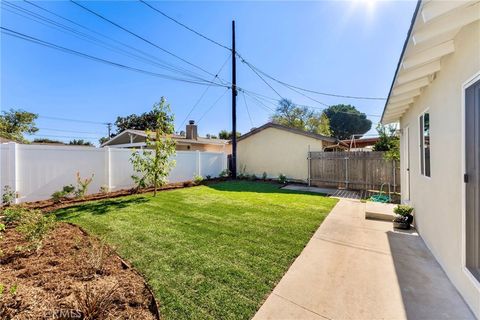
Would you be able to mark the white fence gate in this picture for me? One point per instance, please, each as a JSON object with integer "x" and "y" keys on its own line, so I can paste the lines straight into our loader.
{"x": 36, "y": 171}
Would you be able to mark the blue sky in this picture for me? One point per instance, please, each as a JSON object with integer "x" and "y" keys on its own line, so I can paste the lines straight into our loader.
{"x": 340, "y": 47}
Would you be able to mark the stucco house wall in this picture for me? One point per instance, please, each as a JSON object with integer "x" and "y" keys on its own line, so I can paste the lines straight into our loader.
{"x": 438, "y": 200}
{"x": 276, "y": 151}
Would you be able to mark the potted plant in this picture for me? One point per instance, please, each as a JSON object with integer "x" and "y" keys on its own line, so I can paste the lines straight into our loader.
{"x": 404, "y": 217}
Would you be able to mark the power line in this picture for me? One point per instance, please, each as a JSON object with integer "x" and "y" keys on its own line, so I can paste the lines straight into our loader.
{"x": 185, "y": 26}
{"x": 246, "y": 107}
{"x": 204, "y": 92}
{"x": 140, "y": 37}
{"x": 84, "y": 55}
{"x": 307, "y": 90}
{"x": 60, "y": 136}
{"x": 211, "y": 107}
{"x": 71, "y": 131}
{"x": 158, "y": 62}
{"x": 71, "y": 120}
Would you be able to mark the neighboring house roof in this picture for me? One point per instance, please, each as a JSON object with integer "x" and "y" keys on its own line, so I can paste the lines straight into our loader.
{"x": 288, "y": 129}
{"x": 178, "y": 138}
{"x": 431, "y": 36}
{"x": 360, "y": 143}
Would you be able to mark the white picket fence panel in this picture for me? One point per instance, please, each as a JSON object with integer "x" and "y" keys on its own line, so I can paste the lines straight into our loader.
{"x": 36, "y": 171}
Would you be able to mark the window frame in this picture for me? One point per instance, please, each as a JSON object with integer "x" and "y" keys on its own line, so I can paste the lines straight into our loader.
{"x": 421, "y": 131}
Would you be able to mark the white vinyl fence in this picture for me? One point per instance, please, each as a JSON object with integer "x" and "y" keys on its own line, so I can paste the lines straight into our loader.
{"x": 36, "y": 171}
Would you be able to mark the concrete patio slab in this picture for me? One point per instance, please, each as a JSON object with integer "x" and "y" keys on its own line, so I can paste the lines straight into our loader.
{"x": 354, "y": 268}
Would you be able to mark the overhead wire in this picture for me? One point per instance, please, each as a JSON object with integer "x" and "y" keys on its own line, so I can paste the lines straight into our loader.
{"x": 185, "y": 26}
{"x": 145, "y": 56}
{"x": 246, "y": 107}
{"x": 23, "y": 36}
{"x": 204, "y": 92}
{"x": 211, "y": 107}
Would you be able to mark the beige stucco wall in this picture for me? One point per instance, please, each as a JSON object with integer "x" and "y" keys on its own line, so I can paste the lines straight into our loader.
{"x": 204, "y": 147}
{"x": 438, "y": 200}
{"x": 276, "y": 151}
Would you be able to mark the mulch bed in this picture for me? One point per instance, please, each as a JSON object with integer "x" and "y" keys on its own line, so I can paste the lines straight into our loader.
{"x": 72, "y": 276}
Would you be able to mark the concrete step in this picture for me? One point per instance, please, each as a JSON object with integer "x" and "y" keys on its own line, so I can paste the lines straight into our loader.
{"x": 379, "y": 211}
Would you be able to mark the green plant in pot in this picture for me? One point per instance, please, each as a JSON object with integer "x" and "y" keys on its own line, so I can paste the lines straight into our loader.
{"x": 404, "y": 217}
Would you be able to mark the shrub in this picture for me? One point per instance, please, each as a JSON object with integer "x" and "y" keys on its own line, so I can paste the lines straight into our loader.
{"x": 34, "y": 226}
{"x": 264, "y": 176}
{"x": 197, "y": 179}
{"x": 82, "y": 185}
{"x": 282, "y": 178}
{"x": 13, "y": 214}
{"x": 403, "y": 210}
{"x": 253, "y": 177}
{"x": 94, "y": 303}
{"x": 208, "y": 177}
{"x": 225, "y": 173}
{"x": 104, "y": 189}
{"x": 8, "y": 196}
{"x": 67, "y": 190}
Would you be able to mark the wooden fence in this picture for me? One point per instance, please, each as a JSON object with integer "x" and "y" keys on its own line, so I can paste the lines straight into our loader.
{"x": 353, "y": 170}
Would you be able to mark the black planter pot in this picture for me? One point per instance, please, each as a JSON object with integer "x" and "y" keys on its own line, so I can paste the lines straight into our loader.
{"x": 403, "y": 222}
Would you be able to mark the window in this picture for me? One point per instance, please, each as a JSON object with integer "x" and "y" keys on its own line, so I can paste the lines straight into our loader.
{"x": 425, "y": 144}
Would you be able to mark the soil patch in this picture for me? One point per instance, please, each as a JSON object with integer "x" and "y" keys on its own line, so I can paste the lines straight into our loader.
{"x": 72, "y": 276}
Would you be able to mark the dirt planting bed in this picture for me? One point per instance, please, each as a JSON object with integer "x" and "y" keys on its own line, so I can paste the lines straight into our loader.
{"x": 71, "y": 276}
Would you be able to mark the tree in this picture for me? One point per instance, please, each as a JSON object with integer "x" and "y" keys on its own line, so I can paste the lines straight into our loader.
{"x": 302, "y": 118}
{"x": 154, "y": 163}
{"x": 46, "y": 140}
{"x": 144, "y": 121}
{"x": 346, "y": 120}
{"x": 80, "y": 142}
{"x": 388, "y": 142}
{"x": 226, "y": 135}
{"x": 15, "y": 123}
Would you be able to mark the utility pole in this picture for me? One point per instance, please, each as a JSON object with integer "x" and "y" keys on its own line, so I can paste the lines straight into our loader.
{"x": 234, "y": 105}
{"x": 109, "y": 127}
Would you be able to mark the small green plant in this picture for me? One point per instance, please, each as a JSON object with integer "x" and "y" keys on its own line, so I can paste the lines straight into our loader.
{"x": 104, "y": 189}
{"x": 197, "y": 179}
{"x": 82, "y": 185}
{"x": 225, "y": 173}
{"x": 208, "y": 177}
{"x": 282, "y": 178}
{"x": 8, "y": 196}
{"x": 67, "y": 190}
{"x": 34, "y": 226}
{"x": 13, "y": 289}
{"x": 403, "y": 210}
{"x": 264, "y": 176}
{"x": 13, "y": 214}
{"x": 253, "y": 177}
{"x": 243, "y": 172}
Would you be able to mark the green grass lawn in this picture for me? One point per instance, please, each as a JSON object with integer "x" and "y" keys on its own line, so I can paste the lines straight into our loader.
{"x": 210, "y": 251}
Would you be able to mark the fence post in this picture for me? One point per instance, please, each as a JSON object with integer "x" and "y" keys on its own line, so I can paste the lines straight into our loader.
{"x": 13, "y": 168}
{"x": 108, "y": 173}
{"x": 346, "y": 172}
{"x": 309, "y": 157}
{"x": 198, "y": 162}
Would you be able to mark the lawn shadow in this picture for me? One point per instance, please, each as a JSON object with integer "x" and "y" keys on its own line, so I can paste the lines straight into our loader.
{"x": 99, "y": 207}
{"x": 257, "y": 187}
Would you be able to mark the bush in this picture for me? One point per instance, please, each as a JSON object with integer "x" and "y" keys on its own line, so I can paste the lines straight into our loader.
{"x": 34, "y": 226}
{"x": 225, "y": 173}
{"x": 264, "y": 176}
{"x": 403, "y": 210}
{"x": 13, "y": 214}
{"x": 8, "y": 196}
{"x": 253, "y": 177}
{"x": 197, "y": 179}
{"x": 67, "y": 190}
{"x": 282, "y": 178}
{"x": 208, "y": 177}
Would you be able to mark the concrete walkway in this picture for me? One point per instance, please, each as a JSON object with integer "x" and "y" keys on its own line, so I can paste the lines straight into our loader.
{"x": 354, "y": 268}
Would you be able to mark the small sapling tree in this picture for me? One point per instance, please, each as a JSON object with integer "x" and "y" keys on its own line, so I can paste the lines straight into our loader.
{"x": 153, "y": 164}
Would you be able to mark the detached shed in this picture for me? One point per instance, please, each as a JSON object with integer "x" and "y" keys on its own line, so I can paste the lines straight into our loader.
{"x": 275, "y": 149}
